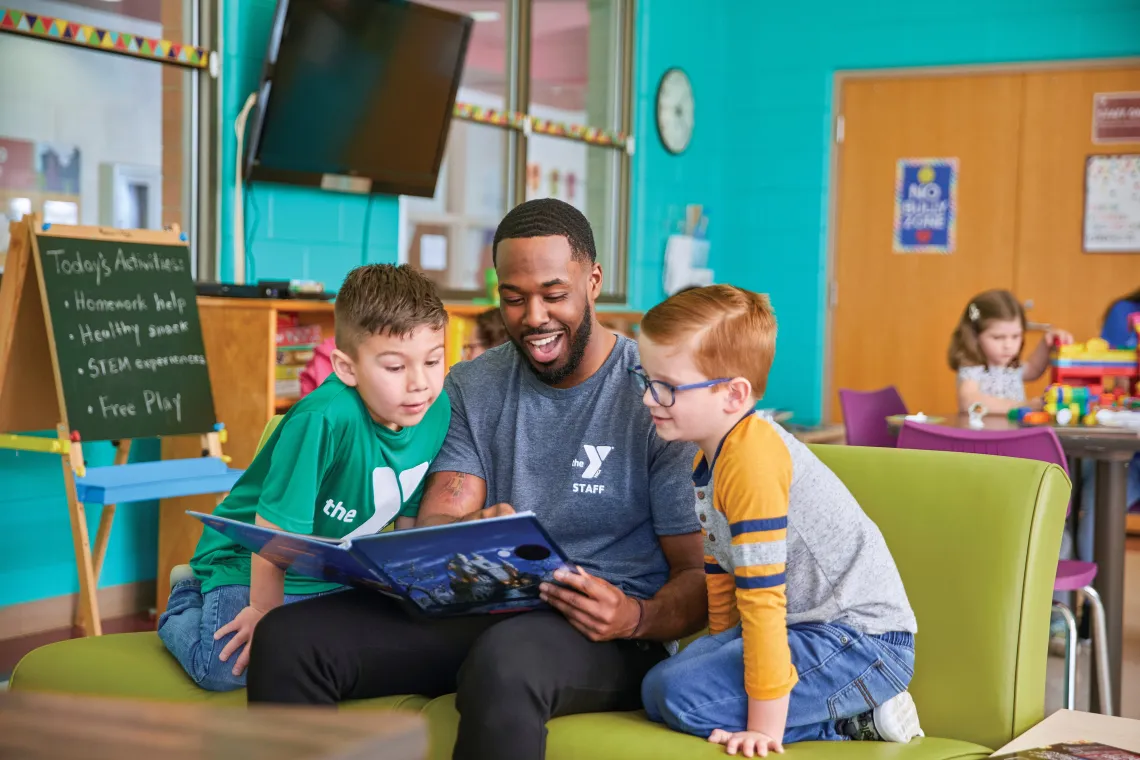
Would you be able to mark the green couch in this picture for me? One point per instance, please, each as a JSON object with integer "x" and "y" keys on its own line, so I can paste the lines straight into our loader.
{"x": 976, "y": 539}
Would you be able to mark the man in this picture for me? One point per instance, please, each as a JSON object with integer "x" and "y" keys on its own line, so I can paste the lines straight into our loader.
{"x": 548, "y": 423}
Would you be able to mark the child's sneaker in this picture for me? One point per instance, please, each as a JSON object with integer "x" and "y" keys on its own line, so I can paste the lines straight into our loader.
{"x": 180, "y": 573}
{"x": 896, "y": 720}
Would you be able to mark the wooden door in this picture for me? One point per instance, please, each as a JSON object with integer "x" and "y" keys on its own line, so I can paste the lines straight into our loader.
{"x": 1068, "y": 288}
{"x": 892, "y": 314}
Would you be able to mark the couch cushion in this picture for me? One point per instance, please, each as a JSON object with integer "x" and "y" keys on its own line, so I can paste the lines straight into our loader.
{"x": 136, "y": 666}
{"x": 630, "y": 736}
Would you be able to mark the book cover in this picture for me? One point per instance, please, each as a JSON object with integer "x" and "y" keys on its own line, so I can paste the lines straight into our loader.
{"x": 478, "y": 567}
{"x": 326, "y": 559}
{"x": 1071, "y": 751}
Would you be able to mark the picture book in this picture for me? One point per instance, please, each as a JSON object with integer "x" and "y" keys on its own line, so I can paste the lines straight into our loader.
{"x": 477, "y": 567}
{"x": 1079, "y": 750}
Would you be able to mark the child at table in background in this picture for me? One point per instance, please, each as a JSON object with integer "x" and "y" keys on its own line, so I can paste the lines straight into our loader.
{"x": 1114, "y": 325}
{"x": 985, "y": 351}
{"x": 348, "y": 459}
{"x": 811, "y": 635}
{"x": 1119, "y": 334}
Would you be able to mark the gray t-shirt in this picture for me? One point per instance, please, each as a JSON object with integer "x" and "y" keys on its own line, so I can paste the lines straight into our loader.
{"x": 586, "y": 460}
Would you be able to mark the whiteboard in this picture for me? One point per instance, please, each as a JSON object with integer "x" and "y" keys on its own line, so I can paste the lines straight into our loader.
{"x": 1112, "y": 204}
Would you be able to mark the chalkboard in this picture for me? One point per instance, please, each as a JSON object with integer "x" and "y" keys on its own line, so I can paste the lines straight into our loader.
{"x": 127, "y": 337}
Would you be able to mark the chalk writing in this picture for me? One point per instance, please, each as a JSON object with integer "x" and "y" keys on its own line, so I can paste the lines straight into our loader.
{"x": 104, "y": 334}
{"x": 156, "y": 402}
{"x": 159, "y": 362}
{"x": 177, "y": 328}
{"x": 99, "y": 267}
{"x": 83, "y": 303}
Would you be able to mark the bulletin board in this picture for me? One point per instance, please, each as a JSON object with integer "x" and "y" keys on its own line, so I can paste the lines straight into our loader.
{"x": 1112, "y": 204}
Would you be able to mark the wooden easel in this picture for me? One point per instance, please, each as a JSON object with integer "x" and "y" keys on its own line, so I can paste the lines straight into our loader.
{"x": 32, "y": 397}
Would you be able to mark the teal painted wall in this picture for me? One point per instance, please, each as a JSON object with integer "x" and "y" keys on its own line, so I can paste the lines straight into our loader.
{"x": 669, "y": 34}
{"x": 781, "y": 62}
{"x": 37, "y": 560}
{"x": 290, "y": 232}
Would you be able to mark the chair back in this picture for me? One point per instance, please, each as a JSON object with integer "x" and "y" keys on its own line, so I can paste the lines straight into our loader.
{"x": 981, "y": 597}
{"x": 1039, "y": 443}
{"x": 865, "y": 415}
{"x": 274, "y": 421}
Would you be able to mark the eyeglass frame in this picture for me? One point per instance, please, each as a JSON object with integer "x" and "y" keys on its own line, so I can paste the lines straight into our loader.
{"x": 644, "y": 379}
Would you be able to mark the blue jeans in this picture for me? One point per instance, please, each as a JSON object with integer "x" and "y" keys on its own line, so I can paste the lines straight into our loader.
{"x": 187, "y": 629}
{"x": 842, "y": 673}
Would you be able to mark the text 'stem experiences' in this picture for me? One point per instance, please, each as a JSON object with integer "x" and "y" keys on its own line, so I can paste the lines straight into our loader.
{"x": 128, "y": 338}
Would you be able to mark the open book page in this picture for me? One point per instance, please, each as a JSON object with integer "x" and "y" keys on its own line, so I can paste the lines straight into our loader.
{"x": 483, "y": 566}
{"x": 1080, "y": 750}
{"x": 478, "y": 567}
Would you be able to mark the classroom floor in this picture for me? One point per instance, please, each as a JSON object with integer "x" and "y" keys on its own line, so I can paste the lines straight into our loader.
{"x": 1130, "y": 689}
{"x": 11, "y": 650}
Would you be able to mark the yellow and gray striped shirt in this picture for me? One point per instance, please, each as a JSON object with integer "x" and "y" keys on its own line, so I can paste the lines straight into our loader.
{"x": 787, "y": 543}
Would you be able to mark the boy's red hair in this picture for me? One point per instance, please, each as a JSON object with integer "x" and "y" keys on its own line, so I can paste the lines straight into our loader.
{"x": 735, "y": 329}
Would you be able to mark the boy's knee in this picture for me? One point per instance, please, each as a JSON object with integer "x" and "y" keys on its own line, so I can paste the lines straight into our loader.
{"x": 219, "y": 676}
{"x": 652, "y": 692}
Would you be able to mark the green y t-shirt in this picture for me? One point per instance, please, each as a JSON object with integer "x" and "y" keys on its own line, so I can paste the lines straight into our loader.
{"x": 327, "y": 470}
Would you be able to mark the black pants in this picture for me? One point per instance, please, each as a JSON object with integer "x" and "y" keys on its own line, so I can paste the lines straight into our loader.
{"x": 511, "y": 674}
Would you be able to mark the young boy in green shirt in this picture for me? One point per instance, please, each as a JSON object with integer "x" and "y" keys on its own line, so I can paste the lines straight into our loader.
{"x": 348, "y": 459}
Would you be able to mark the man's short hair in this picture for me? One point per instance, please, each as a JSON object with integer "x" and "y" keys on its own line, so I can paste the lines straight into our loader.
{"x": 385, "y": 299}
{"x": 735, "y": 329}
{"x": 548, "y": 217}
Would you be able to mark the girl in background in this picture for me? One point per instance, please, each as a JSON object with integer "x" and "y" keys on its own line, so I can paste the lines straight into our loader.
{"x": 985, "y": 351}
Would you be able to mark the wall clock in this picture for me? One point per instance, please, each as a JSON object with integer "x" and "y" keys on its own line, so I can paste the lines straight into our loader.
{"x": 675, "y": 110}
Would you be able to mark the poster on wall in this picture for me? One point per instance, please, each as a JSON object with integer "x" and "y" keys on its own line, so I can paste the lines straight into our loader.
{"x": 1116, "y": 117}
{"x": 1112, "y": 204}
{"x": 926, "y": 205}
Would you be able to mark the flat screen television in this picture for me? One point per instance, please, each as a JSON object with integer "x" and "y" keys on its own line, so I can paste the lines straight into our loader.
{"x": 357, "y": 95}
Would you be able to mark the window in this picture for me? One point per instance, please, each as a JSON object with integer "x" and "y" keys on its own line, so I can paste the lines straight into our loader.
{"x": 82, "y": 139}
{"x": 542, "y": 111}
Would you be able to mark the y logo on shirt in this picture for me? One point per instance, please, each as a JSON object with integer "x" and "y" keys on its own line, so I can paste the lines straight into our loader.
{"x": 595, "y": 455}
{"x": 389, "y": 492}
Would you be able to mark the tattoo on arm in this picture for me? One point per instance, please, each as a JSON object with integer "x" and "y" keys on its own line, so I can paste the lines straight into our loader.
{"x": 449, "y": 496}
{"x": 454, "y": 485}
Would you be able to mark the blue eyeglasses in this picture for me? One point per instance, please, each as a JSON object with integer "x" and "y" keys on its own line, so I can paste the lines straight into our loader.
{"x": 664, "y": 393}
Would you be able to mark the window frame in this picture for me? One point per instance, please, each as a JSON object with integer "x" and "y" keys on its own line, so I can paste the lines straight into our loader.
{"x": 516, "y": 122}
{"x": 201, "y": 131}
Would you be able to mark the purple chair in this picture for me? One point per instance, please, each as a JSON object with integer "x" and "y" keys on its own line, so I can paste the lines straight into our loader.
{"x": 865, "y": 415}
{"x": 1038, "y": 443}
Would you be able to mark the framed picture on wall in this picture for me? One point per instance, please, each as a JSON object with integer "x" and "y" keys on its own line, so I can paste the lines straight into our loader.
{"x": 1112, "y": 204}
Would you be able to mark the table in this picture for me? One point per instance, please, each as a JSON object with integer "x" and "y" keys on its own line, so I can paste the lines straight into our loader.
{"x": 1111, "y": 449}
{"x": 830, "y": 434}
{"x": 35, "y": 726}
{"x": 1070, "y": 726}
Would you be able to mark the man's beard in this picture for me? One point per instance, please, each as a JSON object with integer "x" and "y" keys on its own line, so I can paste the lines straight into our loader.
{"x": 579, "y": 339}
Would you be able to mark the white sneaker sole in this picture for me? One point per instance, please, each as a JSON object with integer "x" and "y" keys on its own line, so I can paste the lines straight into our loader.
{"x": 180, "y": 573}
{"x": 896, "y": 720}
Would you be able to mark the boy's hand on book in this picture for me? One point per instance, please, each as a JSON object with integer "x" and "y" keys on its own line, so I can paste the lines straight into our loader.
{"x": 597, "y": 608}
{"x": 242, "y": 627}
{"x": 747, "y": 743}
{"x": 497, "y": 510}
